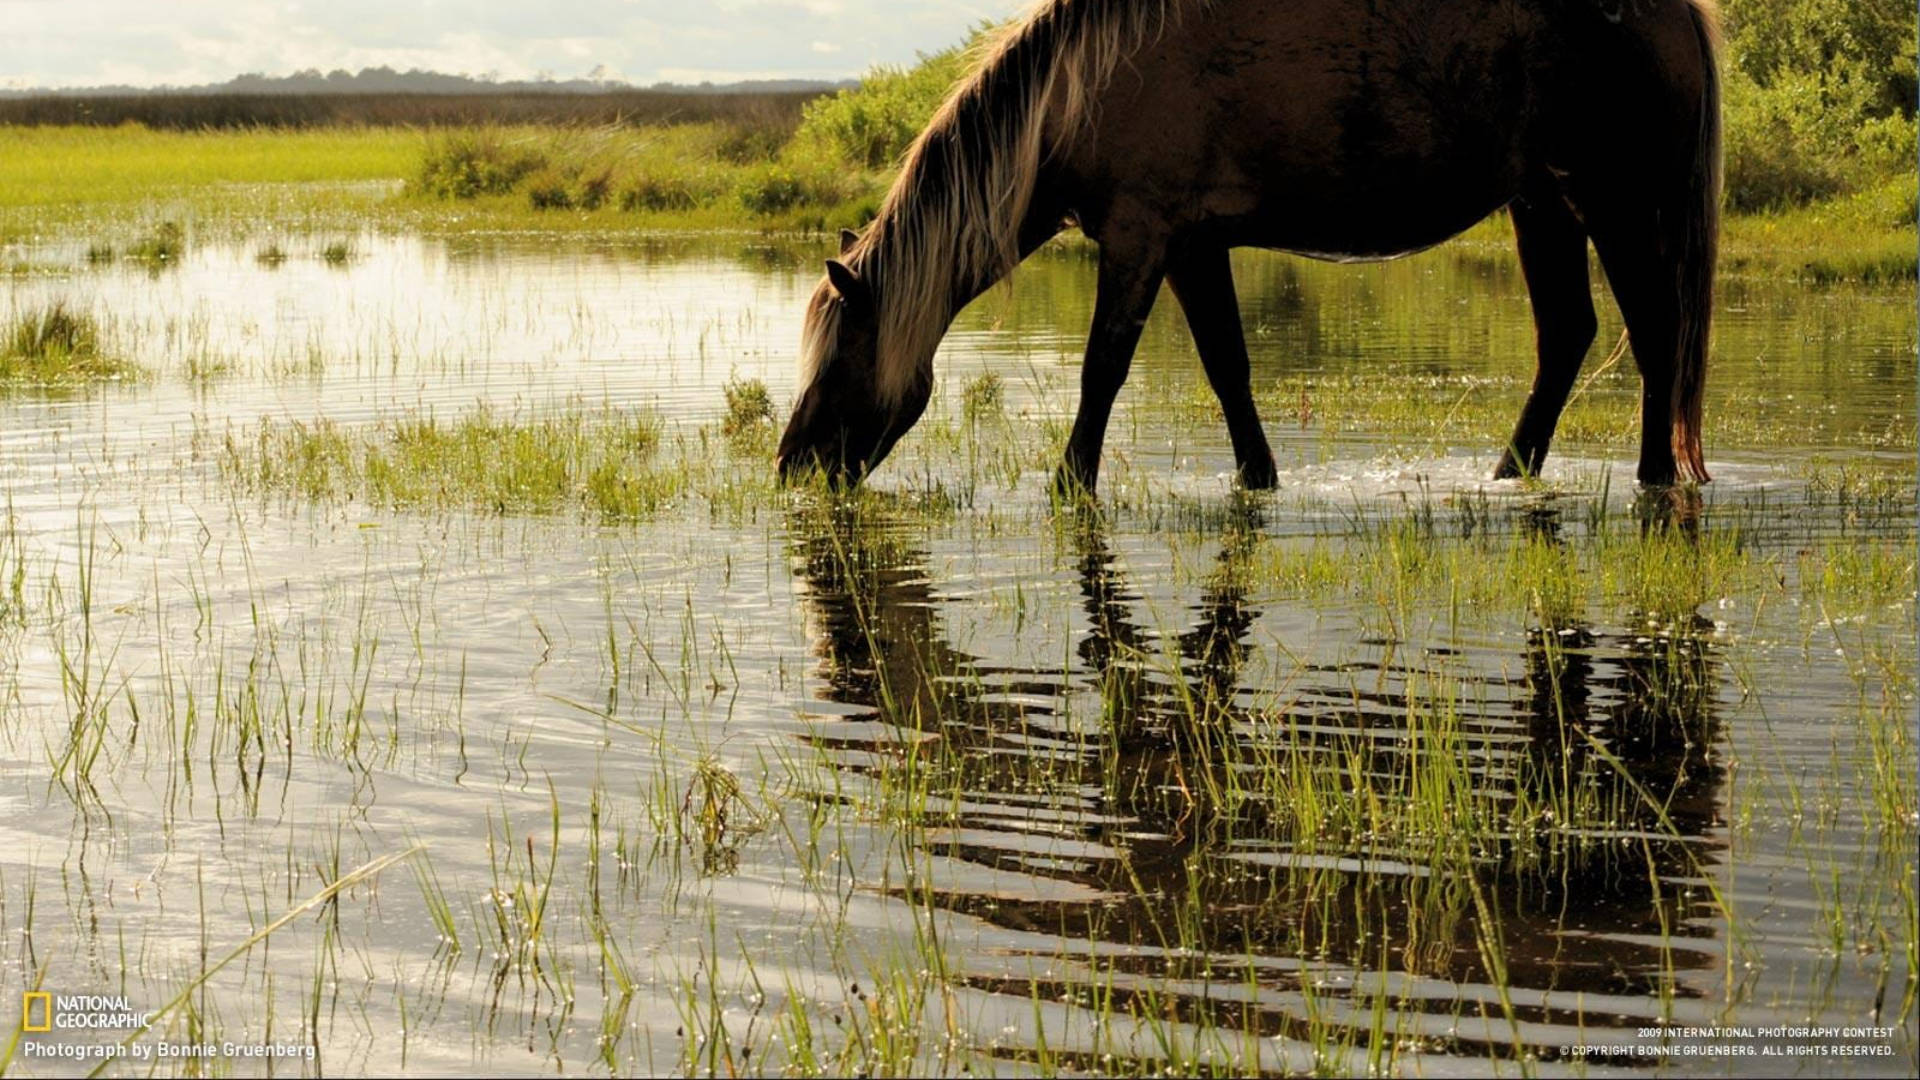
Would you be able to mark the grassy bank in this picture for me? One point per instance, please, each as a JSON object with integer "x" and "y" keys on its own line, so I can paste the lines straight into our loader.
{"x": 109, "y": 186}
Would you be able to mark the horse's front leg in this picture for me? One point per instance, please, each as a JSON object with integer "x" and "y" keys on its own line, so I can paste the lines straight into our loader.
{"x": 1130, "y": 276}
{"x": 1202, "y": 280}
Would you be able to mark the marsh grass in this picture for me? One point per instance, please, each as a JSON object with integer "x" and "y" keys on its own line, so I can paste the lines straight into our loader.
{"x": 600, "y": 462}
{"x": 681, "y": 175}
{"x": 57, "y": 345}
{"x": 703, "y": 170}
{"x": 483, "y": 161}
{"x": 749, "y": 411}
{"x": 165, "y": 245}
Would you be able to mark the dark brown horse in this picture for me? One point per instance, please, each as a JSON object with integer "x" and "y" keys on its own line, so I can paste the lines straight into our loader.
{"x": 1171, "y": 131}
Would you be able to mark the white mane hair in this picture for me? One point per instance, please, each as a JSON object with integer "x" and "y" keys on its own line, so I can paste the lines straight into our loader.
{"x": 952, "y": 219}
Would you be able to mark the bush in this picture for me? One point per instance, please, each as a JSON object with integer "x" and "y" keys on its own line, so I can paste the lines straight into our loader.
{"x": 1819, "y": 98}
{"x": 774, "y": 188}
{"x": 483, "y": 161}
{"x": 871, "y": 125}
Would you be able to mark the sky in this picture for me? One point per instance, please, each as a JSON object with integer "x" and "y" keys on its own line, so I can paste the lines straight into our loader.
{"x": 54, "y": 43}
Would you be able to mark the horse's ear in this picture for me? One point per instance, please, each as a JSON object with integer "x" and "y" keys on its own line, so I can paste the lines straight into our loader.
{"x": 848, "y": 285}
{"x": 848, "y": 238}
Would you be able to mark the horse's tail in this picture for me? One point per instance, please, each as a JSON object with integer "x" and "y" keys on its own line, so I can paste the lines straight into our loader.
{"x": 1699, "y": 249}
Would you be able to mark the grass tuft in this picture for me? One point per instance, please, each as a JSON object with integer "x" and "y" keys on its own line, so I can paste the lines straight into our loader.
{"x": 165, "y": 245}
{"x": 749, "y": 409}
{"x": 600, "y": 462}
{"x": 56, "y": 345}
{"x": 481, "y": 161}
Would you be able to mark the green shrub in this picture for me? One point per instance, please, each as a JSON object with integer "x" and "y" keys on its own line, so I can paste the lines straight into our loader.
{"x": 482, "y": 161}
{"x": 1819, "y": 98}
{"x": 871, "y": 125}
{"x": 777, "y": 187}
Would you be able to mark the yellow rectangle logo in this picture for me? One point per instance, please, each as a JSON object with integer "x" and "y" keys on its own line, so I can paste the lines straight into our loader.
{"x": 27, "y": 1001}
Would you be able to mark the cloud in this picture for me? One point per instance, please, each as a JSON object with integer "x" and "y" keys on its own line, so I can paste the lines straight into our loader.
{"x": 138, "y": 42}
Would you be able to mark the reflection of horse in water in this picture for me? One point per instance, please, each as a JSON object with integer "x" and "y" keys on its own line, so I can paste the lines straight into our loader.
{"x": 1132, "y": 814}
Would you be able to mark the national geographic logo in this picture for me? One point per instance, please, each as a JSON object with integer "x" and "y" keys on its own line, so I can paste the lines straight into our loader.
{"x": 41, "y": 1011}
{"x": 29, "y": 1002}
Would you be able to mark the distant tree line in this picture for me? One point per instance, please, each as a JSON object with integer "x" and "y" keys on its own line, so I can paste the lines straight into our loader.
{"x": 777, "y": 110}
{"x": 386, "y": 80}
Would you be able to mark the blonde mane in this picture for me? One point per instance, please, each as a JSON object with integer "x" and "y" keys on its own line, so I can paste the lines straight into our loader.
{"x": 951, "y": 221}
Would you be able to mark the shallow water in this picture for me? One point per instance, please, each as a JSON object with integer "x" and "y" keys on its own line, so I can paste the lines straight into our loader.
{"x": 985, "y": 785}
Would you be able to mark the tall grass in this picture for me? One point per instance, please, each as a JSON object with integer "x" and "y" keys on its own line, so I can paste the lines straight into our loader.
{"x": 596, "y": 461}
{"x": 56, "y": 166}
{"x": 56, "y": 344}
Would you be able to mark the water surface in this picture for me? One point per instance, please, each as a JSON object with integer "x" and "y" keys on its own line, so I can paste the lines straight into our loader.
{"x": 964, "y": 781}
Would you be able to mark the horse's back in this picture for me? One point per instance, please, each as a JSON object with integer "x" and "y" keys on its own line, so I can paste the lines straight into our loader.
{"x": 1354, "y": 128}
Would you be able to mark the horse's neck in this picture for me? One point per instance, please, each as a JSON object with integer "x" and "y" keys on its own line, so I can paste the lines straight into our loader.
{"x": 1043, "y": 222}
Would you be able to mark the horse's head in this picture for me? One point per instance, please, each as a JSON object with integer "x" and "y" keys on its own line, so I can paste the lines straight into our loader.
{"x": 851, "y": 409}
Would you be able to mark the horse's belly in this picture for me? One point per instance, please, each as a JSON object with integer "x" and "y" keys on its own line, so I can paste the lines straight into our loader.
{"x": 1383, "y": 222}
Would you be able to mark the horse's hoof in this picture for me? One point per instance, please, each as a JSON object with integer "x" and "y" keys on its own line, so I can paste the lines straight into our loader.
{"x": 1512, "y": 468}
{"x": 1260, "y": 474}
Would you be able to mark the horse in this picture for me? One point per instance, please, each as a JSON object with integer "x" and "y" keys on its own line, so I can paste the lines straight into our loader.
{"x": 1172, "y": 131}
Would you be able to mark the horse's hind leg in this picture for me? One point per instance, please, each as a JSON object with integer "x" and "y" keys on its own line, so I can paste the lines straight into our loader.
{"x": 1130, "y": 276}
{"x": 1641, "y": 272}
{"x": 1202, "y": 281}
{"x": 1553, "y": 256}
